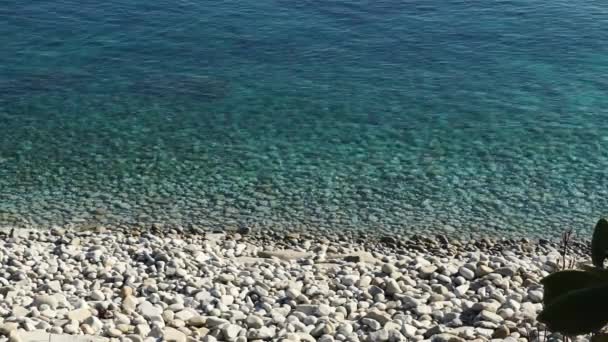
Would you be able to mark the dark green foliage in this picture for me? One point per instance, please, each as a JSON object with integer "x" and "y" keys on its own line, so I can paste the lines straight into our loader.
{"x": 599, "y": 243}
{"x": 575, "y": 301}
{"x": 599, "y": 273}
{"x": 577, "y": 312}
{"x": 560, "y": 283}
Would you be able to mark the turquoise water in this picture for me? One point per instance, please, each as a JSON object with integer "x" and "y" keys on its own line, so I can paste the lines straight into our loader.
{"x": 484, "y": 117}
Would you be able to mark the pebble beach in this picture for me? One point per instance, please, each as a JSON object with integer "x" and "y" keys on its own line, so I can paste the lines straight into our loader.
{"x": 190, "y": 284}
{"x": 275, "y": 170}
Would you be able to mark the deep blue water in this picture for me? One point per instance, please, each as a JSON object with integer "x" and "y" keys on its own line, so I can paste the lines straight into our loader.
{"x": 483, "y": 117}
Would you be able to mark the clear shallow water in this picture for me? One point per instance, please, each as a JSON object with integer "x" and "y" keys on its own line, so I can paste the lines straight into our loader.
{"x": 457, "y": 116}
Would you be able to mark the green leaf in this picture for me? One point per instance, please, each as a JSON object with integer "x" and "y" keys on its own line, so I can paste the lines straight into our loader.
{"x": 559, "y": 283}
{"x": 577, "y": 312}
{"x": 599, "y": 243}
{"x": 600, "y": 273}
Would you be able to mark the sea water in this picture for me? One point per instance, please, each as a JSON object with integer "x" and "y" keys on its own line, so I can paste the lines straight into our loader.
{"x": 404, "y": 116}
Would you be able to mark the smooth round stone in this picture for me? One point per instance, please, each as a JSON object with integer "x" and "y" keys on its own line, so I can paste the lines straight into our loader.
{"x": 8, "y": 327}
{"x": 489, "y": 316}
{"x": 536, "y": 296}
{"x": 126, "y": 291}
{"x": 87, "y": 329}
{"x": 392, "y": 287}
{"x": 168, "y": 315}
{"x": 389, "y": 268}
{"x": 426, "y": 272}
{"x": 371, "y": 323}
{"x": 114, "y": 332}
{"x": 177, "y": 323}
{"x": 51, "y": 301}
{"x": 79, "y": 315}
{"x": 134, "y": 338}
{"x": 349, "y": 280}
{"x": 501, "y": 332}
{"x": 444, "y": 279}
{"x": 230, "y": 331}
{"x": 124, "y": 328}
{"x": 172, "y": 334}
{"x": 466, "y": 273}
{"x": 483, "y": 270}
{"x": 227, "y": 299}
{"x": 56, "y": 330}
{"x": 97, "y": 295}
{"x": 196, "y": 321}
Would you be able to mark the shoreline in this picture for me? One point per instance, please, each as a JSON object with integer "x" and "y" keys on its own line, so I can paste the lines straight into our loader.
{"x": 580, "y": 236}
{"x": 136, "y": 285}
